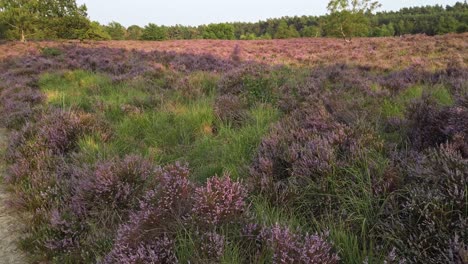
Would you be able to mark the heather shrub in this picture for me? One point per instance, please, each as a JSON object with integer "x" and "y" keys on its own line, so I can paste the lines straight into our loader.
{"x": 230, "y": 109}
{"x": 51, "y": 52}
{"x": 211, "y": 246}
{"x": 59, "y": 131}
{"x": 278, "y": 244}
{"x": 35, "y": 148}
{"x": 251, "y": 81}
{"x": 221, "y": 201}
{"x": 148, "y": 237}
{"x": 343, "y": 77}
{"x": 422, "y": 220}
{"x": 398, "y": 81}
{"x": 455, "y": 75}
{"x": 430, "y": 125}
{"x": 301, "y": 149}
{"x": 113, "y": 186}
{"x": 17, "y": 106}
{"x": 196, "y": 85}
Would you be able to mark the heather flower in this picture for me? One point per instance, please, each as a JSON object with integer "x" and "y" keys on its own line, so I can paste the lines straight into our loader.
{"x": 212, "y": 246}
{"x": 157, "y": 250}
{"x": 424, "y": 216}
{"x": 289, "y": 247}
{"x": 430, "y": 125}
{"x": 302, "y": 148}
{"x": 148, "y": 235}
{"x": 115, "y": 185}
{"x": 230, "y": 109}
{"x": 64, "y": 233}
{"x": 221, "y": 201}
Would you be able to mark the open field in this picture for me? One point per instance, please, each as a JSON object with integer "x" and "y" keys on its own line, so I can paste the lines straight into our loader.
{"x": 285, "y": 151}
{"x": 385, "y": 53}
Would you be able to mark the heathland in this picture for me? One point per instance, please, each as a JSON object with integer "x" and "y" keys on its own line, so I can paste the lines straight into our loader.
{"x": 210, "y": 151}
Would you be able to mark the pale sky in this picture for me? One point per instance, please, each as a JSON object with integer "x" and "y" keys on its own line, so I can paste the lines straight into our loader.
{"x": 198, "y": 12}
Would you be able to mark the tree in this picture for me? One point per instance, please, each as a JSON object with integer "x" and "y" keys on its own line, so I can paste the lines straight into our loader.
{"x": 284, "y": 31}
{"x": 21, "y": 16}
{"x": 116, "y": 31}
{"x": 446, "y": 24}
{"x": 154, "y": 32}
{"x": 52, "y": 18}
{"x": 219, "y": 31}
{"x": 311, "y": 32}
{"x": 348, "y": 19}
{"x": 134, "y": 32}
{"x": 95, "y": 32}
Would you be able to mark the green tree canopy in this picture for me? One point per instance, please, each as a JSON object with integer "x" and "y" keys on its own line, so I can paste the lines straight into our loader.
{"x": 95, "y": 32}
{"x": 134, "y": 32}
{"x": 46, "y": 18}
{"x": 154, "y": 32}
{"x": 348, "y": 18}
{"x": 284, "y": 31}
{"x": 116, "y": 31}
{"x": 219, "y": 31}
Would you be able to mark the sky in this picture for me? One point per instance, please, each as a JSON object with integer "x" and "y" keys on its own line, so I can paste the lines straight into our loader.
{"x": 199, "y": 12}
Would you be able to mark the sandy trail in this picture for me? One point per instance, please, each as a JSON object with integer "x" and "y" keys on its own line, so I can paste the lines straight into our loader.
{"x": 10, "y": 223}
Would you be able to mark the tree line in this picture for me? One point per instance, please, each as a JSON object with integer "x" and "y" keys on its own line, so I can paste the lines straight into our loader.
{"x": 64, "y": 19}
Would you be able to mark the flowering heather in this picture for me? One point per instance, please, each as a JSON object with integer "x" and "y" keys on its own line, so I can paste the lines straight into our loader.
{"x": 290, "y": 247}
{"x": 220, "y": 202}
{"x": 424, "y": 218}
{"x": 316, "y": 161}
{"x": 63, "y": 231}
{"x": 212, "y": 246}
{"x": 376, "y": 52}
{"x": 431, "y": 125}
{"x": 147, "y": 235}
{"x": 113, "y": 185}
{"x": 230, "y": 109}
{"x": 156, "y": 250}
{"x": 301, "y": 148}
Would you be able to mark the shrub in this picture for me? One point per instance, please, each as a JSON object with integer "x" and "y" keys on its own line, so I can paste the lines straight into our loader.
{"x": 211, "y": 246}
{"x": 221, "y": 201}
{"x": 230, "y": 109}
{"x": 286, "y": 246}
{"x": 301, "y": 149}
{"x": 430, "y": 125}
{"x": 113, "y": 186}
{"x": 423, "y": 219}
{"x": 148, "y": 236}
{"x": 248, "y": 80}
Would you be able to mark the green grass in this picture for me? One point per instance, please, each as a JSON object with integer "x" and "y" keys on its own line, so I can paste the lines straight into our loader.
{"x": 176, "y": 127}
{"x": 395, "y": 107}
{"x": 170, "y": 125}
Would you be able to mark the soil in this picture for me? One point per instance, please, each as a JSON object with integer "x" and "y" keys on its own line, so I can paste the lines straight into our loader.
{"x": 10, "y": 222}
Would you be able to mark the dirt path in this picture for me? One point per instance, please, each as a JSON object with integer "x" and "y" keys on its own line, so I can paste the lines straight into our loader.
{"x": 10, "y": 227}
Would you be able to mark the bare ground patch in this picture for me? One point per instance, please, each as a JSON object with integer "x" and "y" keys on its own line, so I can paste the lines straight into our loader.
{"x": 10, "y": 221}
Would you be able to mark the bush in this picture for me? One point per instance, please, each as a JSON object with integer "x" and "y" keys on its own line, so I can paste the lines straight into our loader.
{"x": 286, "y": 246}
{"x": 301, "y": 149}
{"x": 423, "y": 220}
{"x": 221, "y": 201}
{"x": 430, "y": 125}
{"x": 114, "y": 186}
{"x": 230, "y": 109}
{"x": 148, "y": 237}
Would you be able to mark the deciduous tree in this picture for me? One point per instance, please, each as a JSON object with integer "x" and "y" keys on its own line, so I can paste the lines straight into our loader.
{"x": 134, "y": 32}
{"x": 154, "y": 32}
{"x": 116, "y": 31}
{"x": 51, "y": 18}
{"x": 348, "y": 18}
